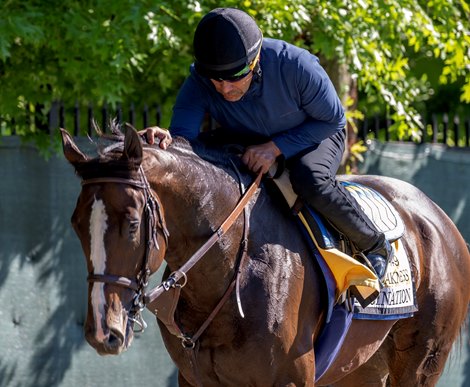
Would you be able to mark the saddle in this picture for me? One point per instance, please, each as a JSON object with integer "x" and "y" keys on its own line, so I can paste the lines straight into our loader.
{"x": 350, "y": 274}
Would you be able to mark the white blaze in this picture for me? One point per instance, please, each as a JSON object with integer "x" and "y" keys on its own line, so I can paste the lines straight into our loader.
{"x": 98, "y": 226}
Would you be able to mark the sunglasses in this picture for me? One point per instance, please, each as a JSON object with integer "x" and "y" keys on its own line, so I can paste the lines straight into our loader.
{"x": 236, "y": 77}
{"x": 242, "y": 73}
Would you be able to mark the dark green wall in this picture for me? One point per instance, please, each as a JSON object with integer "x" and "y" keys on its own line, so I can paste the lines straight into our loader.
{"x": 440, "y": 172}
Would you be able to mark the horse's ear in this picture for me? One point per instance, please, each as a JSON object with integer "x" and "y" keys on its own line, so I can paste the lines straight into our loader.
{"x": 132, "y": 145}
{"x": 71, "y": 151}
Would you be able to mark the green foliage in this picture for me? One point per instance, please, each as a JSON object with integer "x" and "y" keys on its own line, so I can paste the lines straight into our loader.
{"x": 140, "y": 51}
{"x": 378, "y": 39}
{"x": 90, "y": 52}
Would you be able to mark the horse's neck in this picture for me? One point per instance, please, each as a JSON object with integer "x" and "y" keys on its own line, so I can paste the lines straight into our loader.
{"x": 197, "y": 197}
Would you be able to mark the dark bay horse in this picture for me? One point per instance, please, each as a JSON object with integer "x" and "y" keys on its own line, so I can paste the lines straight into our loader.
{"x": 140, "y": 205}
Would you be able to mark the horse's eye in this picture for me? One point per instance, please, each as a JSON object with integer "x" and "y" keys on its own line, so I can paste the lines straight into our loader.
{"x": 134, "y": 231}
{"x": 133, "y": 226}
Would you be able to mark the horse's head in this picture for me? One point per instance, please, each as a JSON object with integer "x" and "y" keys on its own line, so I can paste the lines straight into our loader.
{"x": 121, "y": 227}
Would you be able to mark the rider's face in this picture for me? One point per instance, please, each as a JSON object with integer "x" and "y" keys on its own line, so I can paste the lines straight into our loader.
{"x": 233, "y": 90}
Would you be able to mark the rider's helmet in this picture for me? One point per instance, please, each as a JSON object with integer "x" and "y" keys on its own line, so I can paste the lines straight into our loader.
{"x": 226, "y": 42}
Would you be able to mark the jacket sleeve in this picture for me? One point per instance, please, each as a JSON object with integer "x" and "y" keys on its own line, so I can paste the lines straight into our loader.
{"x": 318, "y": 98}
{"x": 189, "y": 110}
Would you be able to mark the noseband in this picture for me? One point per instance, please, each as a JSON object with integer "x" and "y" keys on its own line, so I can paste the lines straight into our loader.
{"x": 155, "y": 223}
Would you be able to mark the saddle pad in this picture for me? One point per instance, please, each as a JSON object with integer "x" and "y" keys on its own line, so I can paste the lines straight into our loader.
{"x": 397, "y": 299}
{"x": 378, "y": 209}
{"x": 345, "y": 270}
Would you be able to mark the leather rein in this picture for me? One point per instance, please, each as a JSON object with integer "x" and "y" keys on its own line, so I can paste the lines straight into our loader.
{"x": 152, "y": 299}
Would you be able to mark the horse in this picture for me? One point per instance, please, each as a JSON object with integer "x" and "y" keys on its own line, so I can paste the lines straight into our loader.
{"x": 140, "y": 205}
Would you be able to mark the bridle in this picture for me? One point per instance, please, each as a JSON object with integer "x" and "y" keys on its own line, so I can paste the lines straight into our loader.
{"x": 171, "y": 288}
{"x": 155, "y": 223}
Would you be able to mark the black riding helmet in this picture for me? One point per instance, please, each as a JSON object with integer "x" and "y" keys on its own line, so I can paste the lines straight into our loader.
{"x": 226, "y": 40}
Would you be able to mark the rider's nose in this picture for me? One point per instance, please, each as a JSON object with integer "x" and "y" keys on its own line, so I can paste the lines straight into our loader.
{"x": 226, "y": 86}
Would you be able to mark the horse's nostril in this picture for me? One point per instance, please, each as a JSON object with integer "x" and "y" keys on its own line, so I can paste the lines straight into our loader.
{"x": 116, "y": 338}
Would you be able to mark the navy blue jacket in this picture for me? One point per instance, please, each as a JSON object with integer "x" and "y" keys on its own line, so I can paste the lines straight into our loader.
{"x": 293, "y": 102}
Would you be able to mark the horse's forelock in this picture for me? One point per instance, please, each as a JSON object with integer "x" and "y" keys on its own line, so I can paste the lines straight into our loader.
{"x": 108, "y": 163}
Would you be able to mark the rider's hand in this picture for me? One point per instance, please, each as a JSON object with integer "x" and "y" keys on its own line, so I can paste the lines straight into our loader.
{"x": 259, "y": 158}
{"x": 155, "y": 132}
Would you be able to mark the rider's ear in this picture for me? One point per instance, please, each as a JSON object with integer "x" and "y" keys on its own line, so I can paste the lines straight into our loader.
{"x": 132, "y": 145}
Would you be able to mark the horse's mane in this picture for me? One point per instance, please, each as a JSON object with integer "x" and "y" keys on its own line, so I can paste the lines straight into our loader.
{"x": 109, "y": 160}
{"x": 222, "y": 156}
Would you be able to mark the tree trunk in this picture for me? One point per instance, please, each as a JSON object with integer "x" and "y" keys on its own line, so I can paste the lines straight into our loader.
{"x": 346, "y": 87}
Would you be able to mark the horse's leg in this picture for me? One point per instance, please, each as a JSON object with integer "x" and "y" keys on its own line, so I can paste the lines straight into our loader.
{"x": 420, "y": 348}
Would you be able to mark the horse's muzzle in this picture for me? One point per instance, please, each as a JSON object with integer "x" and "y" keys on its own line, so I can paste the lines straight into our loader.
{"x": 110, "y": 339}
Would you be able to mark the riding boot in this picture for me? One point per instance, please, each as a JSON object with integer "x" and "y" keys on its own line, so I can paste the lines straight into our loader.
{"x": 379, "y": 257}
{"x": 343, "y": 212}
{"x": 312, "y": 173}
